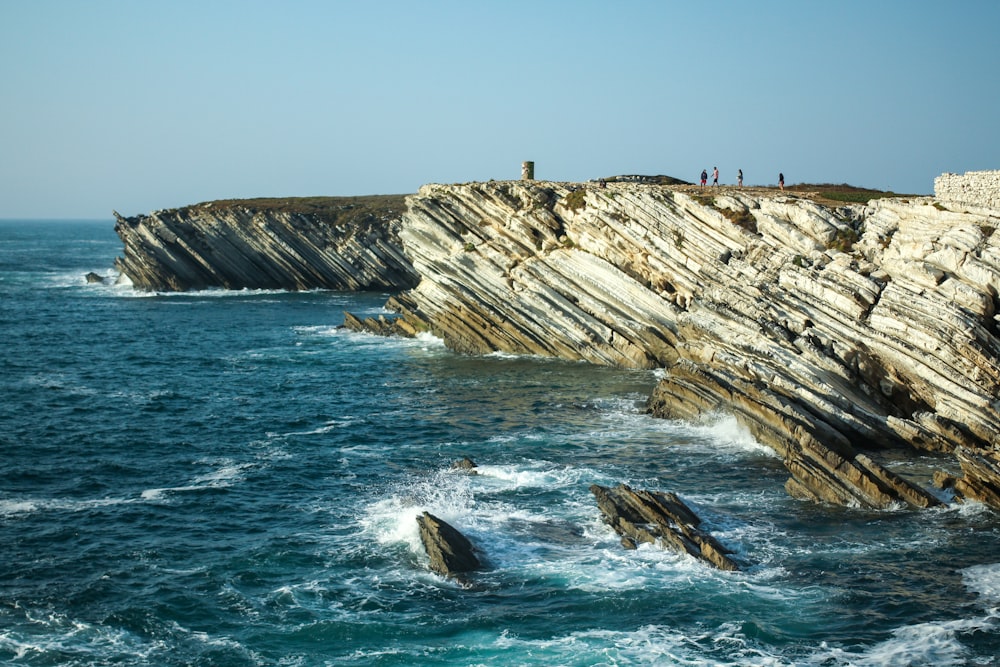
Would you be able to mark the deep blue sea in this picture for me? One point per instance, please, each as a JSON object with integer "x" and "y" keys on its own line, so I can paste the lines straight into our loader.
{"x": 228, "y": 478}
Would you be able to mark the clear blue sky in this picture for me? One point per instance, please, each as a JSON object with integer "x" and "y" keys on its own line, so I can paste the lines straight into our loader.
{"x": 137, "y": 106}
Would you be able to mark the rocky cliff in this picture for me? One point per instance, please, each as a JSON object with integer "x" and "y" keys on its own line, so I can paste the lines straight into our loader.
{"x": 830, "y": 333}
{"x": 348, "y": 243}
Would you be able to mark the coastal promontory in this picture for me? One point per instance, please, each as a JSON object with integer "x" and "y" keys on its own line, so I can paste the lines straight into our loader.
{"x": 835, "y": 332}
{"x": 832, "y": 332}
{"x": 342, "y": 243}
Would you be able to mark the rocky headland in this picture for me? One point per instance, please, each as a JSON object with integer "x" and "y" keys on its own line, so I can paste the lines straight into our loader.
{"x": 832, "y": 332}
{"x": 341, "y": 243}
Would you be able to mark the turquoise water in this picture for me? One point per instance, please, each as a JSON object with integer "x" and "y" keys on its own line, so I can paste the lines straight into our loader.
{"x": 230, "y": 479}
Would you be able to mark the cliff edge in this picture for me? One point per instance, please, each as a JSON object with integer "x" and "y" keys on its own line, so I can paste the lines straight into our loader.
{"x": 342, "y": 243}
{"x": 830, "y": 333}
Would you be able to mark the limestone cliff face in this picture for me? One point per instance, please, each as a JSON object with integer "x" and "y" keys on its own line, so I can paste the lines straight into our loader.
{"x": 342, "y": 243}
{"x": 826, "y": 331}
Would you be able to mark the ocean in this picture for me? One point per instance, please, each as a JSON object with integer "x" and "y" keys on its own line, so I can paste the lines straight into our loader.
{"x": 230, "y": 478}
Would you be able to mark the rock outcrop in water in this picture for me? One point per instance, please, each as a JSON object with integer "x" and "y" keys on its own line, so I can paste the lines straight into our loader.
{"x": 648, "y": 517}
{"x": 450, "y": 552}
{"x": 826, "y": 331}
{"x": 342, "y": 243}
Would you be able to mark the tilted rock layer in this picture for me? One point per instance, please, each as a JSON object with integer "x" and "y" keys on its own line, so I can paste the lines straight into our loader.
{"x": 346, "y": 243}
{"x": 825, "y": 331}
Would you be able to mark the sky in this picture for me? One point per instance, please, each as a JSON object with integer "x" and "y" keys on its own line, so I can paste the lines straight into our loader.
{"x": 138, "y": 106}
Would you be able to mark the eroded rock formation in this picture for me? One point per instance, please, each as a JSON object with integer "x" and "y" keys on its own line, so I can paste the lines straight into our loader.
{"x": 344, "y": 243}
{"x": 830, "y": 333}
{"x": 826, "y": 331}
{"x": 659, "y": 518}
{"x": 450, "y": 552}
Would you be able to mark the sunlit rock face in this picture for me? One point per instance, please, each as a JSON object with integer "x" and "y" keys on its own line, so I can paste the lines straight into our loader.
{"x": 342, "y": 243}
{"x": 826, "y": 331}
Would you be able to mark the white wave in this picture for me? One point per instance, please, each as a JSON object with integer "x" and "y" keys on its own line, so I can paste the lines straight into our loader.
{"x": 727, "y": 433}
{"x": 648, "y": 645}
{"x": 320, "y": 330}
{"x": 565, "y": 543}
{"x": 327, "y": 427}
{"x": 227, "y": 474}
{"x": 158, "y": 494}
{"x": 124, "y": 287}
{"x": 983, "y": 580}
{"x": 393, "y": 519}
{"x": 934, "y": 643}
{"x": 423, "y": 341}
{"x": 55, "y": 638}
{"x": 727, "y": 645}
{"x": 78, "y": 278}
{"x": 11, "y": 507}
{"x": 540, "y": 474}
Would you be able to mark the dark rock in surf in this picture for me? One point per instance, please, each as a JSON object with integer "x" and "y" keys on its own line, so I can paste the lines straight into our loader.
{"x": 93, "y": 278}
{"x": 451, "y": 553}
{"x": 659, "y": 518}
{"x": 379, "y": 326}
{"x": 465, "y": 464}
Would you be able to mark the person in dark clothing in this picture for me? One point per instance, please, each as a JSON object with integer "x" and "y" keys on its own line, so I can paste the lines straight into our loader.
{"x": 704, "y": 177}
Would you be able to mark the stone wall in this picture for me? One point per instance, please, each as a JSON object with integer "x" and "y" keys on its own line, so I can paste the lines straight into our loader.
{"x": 974, "y": 188}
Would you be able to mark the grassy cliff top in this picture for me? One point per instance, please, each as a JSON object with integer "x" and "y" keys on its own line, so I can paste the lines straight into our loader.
{"x": 841, "y": 194}
{"x": 348, "y": 209}
{"x": 342, "y": 209}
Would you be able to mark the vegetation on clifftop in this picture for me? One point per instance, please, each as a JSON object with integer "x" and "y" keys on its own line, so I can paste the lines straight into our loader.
{"x": 345, "y": 210}
{"x": 842, "y": 193}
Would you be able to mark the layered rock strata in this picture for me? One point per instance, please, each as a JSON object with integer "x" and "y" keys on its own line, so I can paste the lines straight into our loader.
{"x": 649, "y": 517}
{"x": 330, "y": 243}
{"x": 451, "y": 553}
{"x": 827, "y": 332}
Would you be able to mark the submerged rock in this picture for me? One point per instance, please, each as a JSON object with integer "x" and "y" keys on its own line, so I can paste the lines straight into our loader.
{"x": 465, "y": 464}
{"x": 659, "y": 518}
{"x": 451, "y": 553}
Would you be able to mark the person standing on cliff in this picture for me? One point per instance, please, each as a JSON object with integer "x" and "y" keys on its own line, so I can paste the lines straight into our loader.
{"x": 704, "y": 177}
{"x": 715, "y": 176}
{"x": 781, "y": 180}
{"x": 739, "y": 178}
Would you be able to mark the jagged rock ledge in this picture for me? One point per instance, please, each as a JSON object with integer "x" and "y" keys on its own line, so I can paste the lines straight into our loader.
{"x": 650, "y": 517}
{"x": 342, "y": 243}
{"x": 829, "y": 332}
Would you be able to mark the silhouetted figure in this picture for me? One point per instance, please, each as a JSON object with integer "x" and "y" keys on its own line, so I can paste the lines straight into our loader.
{"x": 781, "y": 180}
